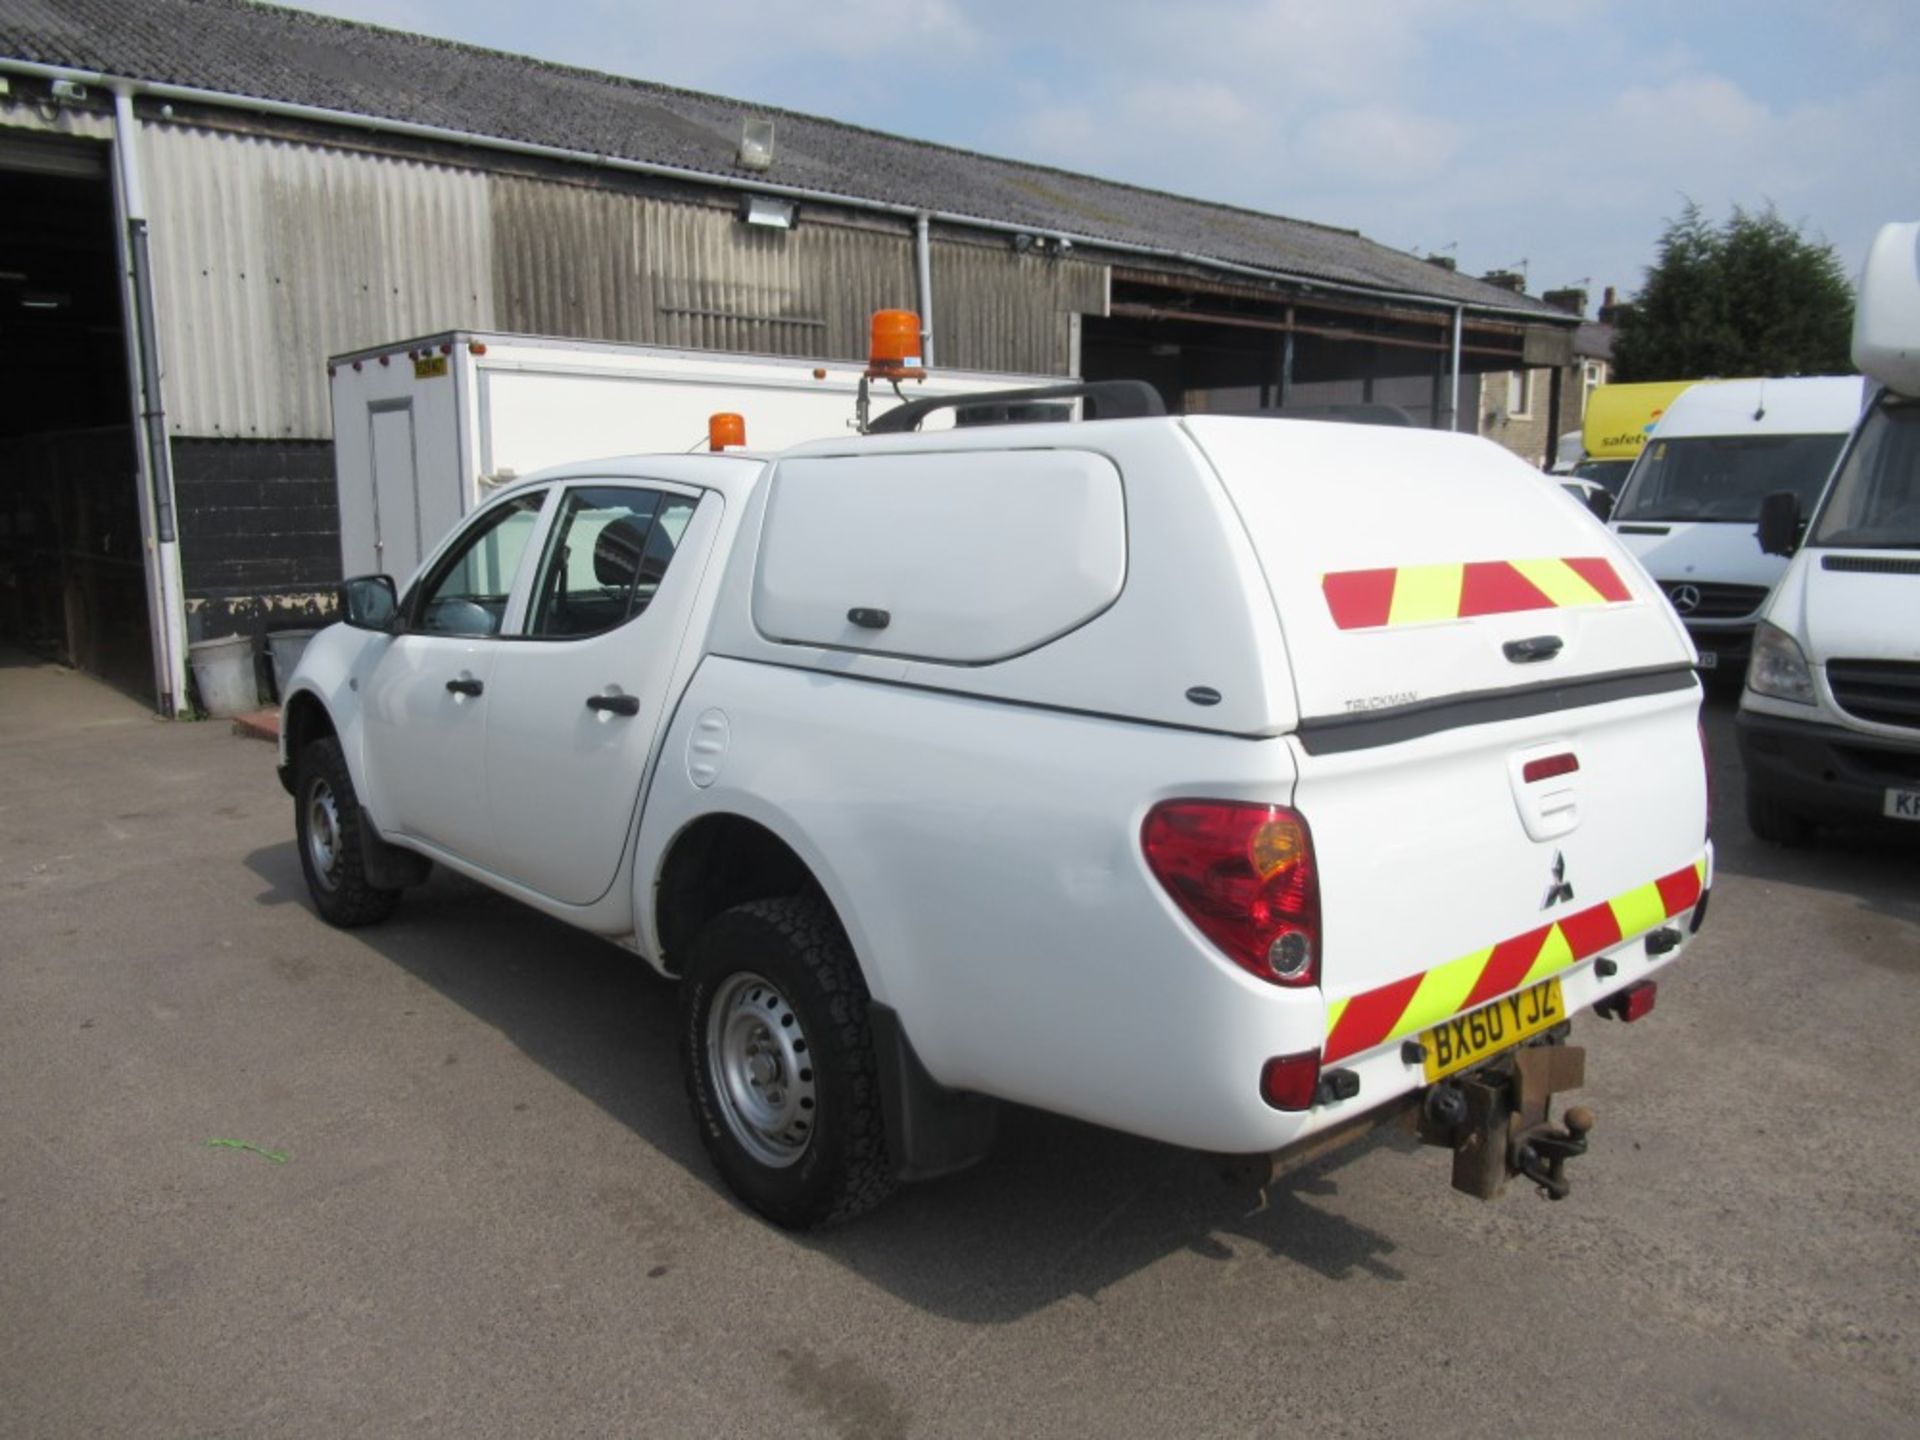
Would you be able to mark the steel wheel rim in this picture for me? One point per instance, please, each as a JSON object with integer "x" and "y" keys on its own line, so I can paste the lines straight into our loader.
{"x": 761, "y": 1067}
{"x": 323, "y": 833}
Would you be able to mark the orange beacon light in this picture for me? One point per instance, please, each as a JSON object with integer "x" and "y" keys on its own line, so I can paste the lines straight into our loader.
{"x": 724, "y": 428}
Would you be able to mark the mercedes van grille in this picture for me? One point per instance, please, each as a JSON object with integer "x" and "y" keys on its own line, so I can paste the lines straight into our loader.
{"x": 1882, "y": 692}
{"x": 1709, "y": 600}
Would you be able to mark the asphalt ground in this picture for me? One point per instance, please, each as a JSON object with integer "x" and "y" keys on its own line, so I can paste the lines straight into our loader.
{"x": 493, "y": 1215}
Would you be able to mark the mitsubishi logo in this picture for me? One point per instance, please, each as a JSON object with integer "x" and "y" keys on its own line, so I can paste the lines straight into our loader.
{"x": 1685, "y": 598}
{"x": 1562, "y": 888}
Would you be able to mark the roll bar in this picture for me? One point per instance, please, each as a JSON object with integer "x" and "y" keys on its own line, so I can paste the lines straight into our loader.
{"x": 1117, "y": 400}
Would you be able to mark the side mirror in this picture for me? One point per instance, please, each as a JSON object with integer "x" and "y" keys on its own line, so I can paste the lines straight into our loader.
{"x": 369, "y": 602}
{"x": 1779, "y": 532}
{"x": 1600, "y": 502}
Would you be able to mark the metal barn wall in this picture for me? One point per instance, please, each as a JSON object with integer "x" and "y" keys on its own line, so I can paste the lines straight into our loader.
{"x": 993, "y": 310}
{"x": 812, "y": 290}
{"x": 606, "y": 265}
{"x": 270, "y": 256}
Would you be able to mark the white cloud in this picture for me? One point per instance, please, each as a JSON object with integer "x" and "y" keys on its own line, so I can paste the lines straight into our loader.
{"x": 1377, "y": 144}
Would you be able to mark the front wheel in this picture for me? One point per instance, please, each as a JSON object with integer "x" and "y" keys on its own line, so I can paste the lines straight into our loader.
{"x": 328, "y": 824}
{"x": 778, "y": 1058}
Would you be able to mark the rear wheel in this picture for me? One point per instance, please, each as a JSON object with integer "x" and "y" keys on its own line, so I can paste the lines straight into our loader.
{"x": 1776, "y": 823}
{"x": 329, "y": 825}
{"x": 779, "y": 1063}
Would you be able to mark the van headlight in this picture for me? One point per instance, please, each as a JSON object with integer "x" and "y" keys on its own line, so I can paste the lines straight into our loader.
{"x": 1777, "y": 668}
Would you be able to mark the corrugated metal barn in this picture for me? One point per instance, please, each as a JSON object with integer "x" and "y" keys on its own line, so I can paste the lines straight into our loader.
{"x": 201, "y": 200}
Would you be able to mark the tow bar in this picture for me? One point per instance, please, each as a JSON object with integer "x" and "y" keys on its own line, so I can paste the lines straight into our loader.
{"x": 1494, "y": 1119}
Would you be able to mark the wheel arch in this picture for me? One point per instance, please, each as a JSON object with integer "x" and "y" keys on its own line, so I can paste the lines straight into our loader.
{"x": 720, "y": 860}
{"x": 304, "y": 718}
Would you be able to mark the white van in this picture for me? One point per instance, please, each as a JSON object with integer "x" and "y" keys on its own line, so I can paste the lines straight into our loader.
{"x": 1689, "y": 508}
{"x": 1830, "y": 720}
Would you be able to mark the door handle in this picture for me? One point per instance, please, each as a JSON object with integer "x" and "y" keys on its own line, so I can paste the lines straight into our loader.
{"x": 614, "y": 704}
{"x": 465, "y": 685}
{"x": 1537, "y": 647}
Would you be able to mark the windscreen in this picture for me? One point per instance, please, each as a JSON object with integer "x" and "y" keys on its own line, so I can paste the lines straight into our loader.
{"x": 1724, "y": 477}
{"x": 1875, "y": 502}
{"x": 1610, "y": 473}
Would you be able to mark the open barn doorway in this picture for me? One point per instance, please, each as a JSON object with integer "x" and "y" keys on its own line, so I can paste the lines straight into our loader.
{"x": 72, "y": 555}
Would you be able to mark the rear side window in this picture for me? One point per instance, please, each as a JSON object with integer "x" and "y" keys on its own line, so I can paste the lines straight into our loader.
{"x": 610, "y": 550}
{"x": 966, "y": 558}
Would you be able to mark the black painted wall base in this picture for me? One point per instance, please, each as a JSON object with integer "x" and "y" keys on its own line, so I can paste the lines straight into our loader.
{"x": 259, "y": 534}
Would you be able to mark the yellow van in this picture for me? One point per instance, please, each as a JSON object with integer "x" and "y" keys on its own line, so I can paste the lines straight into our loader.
{"x": 1619, "y": 419}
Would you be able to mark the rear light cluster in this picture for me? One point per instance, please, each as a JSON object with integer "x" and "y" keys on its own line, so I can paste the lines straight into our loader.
{"x": 1245, "y": 876}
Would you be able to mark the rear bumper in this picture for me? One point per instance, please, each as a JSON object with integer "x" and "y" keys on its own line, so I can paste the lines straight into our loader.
{"x": 1823, "y": 771}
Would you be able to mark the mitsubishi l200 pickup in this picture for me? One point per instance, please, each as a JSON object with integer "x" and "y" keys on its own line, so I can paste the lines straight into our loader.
{"x": 1239, "y": 783}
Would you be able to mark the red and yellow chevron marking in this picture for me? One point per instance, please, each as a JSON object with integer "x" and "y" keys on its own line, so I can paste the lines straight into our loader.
{"x": 1424, "y": 999}
{"x": 1420, "y": 594}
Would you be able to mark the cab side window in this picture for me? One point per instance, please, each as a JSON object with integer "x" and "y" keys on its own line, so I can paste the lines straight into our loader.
{"x": 610, "y": 549}
{"x": 467, "y": 592}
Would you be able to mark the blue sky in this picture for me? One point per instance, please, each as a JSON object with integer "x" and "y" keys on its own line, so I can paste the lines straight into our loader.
{"x": 1559, "y": 133}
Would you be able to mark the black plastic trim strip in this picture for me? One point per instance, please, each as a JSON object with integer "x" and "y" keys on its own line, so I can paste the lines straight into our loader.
{"x": 1338, "y": 734}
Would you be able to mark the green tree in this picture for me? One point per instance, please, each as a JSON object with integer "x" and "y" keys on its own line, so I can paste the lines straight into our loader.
{"x": 1751, "y": 297}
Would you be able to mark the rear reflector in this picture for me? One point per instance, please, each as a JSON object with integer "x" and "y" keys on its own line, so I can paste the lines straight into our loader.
{"x": 1628, "y": 1004}
{"x": 1550, "y": 766}
{"x": 1288, "y": 1082}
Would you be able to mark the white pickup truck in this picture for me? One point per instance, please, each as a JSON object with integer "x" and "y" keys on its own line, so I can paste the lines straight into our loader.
{"x": 1235, "y": 782}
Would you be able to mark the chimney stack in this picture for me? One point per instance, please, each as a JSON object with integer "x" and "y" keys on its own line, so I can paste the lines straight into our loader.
{"x": 1572, "y": 298}
{"x": 1507, "y": 280}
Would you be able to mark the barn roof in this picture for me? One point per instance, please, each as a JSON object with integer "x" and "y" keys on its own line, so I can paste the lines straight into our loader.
{"x": 268, "y": 53}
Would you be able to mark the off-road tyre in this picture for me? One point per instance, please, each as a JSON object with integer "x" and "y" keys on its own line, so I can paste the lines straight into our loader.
{"x": 328, "y": 826}
{"x": 795, "y": 948}
{"x": 1775, "y": 823}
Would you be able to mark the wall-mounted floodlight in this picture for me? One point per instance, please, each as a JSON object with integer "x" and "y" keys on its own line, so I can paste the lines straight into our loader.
{"x": 756, "y": 144}
{"x": 766, "y": 211}
{"x": 1022, "y": 243}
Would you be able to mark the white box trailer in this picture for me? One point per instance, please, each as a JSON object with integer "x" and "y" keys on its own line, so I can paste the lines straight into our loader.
{"x": 423, "y": 429}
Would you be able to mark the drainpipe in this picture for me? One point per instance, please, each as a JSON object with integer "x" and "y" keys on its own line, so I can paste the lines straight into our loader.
{"x": 167, "y": 613}
{"x": 1453, "y": 370}
{"x": 923, "y": 257}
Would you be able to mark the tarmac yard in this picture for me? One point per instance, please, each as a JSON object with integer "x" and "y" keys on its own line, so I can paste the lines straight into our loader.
{"x": 463, "y": 1193}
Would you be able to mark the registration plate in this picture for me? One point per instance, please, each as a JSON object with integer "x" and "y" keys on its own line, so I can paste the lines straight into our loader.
{"x": 1468, "y": 1039}
{"x": 1903, "y": 805}
{"x": 1709, "y": 660}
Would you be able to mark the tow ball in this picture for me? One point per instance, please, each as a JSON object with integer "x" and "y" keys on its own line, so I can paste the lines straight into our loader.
{"x": 1495, "y": 1120}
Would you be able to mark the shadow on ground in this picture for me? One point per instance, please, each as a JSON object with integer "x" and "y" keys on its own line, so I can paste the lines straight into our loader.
{"x": 1059, "y": 1209}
